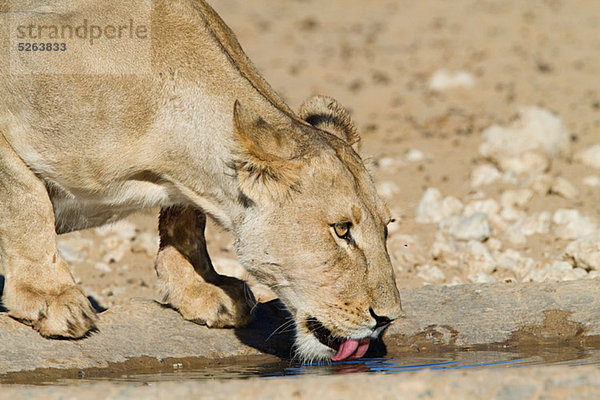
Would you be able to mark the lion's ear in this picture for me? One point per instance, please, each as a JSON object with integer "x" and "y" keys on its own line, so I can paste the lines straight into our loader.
{"x": 264, "y": 164}
{"x": 327, "y": 114}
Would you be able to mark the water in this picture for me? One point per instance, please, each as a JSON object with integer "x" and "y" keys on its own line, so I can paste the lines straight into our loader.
{"x": 258, "y": 367}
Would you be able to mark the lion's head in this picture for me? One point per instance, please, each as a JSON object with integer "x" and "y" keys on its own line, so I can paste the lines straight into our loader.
{"x": 315, "y": 230}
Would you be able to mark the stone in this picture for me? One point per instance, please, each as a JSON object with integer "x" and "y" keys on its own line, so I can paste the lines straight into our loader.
{"x": 429, "y": 209}
{"x": 387, "y": 189}
{"x": 474, "y": 227}
{"x": 451, "y": 206}
{"x": 564, "y": 188}
{"x": 390, "y": 163}
{"x": 526, "y": 163}
{"x": 430, "y": 273}
{"x": 570, "y": 224}
{"x": 555, "y": 272}
{"x": 589, "y": 156}
{"x": 432, "y": 207}
{"x": 443, "y": 80}
{"x": 485, "y": 174}
{"x": 414, "y": 156}
{"x": 584, "y": 252}
{"x": 487, "y": 206}
{"x": 535, "y": 130}
{"x": 592, "y": 180}
{"x": 542, "y": 183}
{"x": 145, "y": 242}
{"x": 475, "y": 258}
{"x": 445, "y": 251}
{"x": 405, "y": 250}
{"x": 511, "y": 260}
{"x": 481, "y": 277}
{"x": 515, "y": 198}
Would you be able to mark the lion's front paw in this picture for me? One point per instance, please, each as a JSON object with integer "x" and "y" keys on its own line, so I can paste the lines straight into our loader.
{"x": 67, "y": 314}
{"x": 228, "y": 304}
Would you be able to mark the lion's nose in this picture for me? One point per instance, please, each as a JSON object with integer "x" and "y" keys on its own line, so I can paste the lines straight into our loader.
{"x": 380, "y": 321}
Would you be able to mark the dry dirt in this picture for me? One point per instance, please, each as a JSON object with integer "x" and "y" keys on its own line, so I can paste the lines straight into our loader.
{"x": 377, "y": 58}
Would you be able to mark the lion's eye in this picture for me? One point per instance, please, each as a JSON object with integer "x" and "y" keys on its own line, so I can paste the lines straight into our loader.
{"x": 342, "y": 230}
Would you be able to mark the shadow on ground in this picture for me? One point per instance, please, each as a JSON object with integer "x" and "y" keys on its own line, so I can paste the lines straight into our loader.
{"x": 271, "y": 331}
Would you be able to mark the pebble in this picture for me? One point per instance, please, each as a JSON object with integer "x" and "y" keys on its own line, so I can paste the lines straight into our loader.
{"x": 557, "y": 271}
{"x": 432, "y": 207}
{"x": 585, "y": 252}
{"x": 481, "y": 277}
{"x": 526, "y": 163}
{"x": 511, "y": 260}
{"x": 542, "y": 183}
{"x": 388, "y": 189}
{"x": 564, "y": 188}
{"x": 443, "y": 79}
{"x": 535, "y": 129}
{"x": 590, "y": 156}
{"x": 474, "y": 227}
{"x": 430, "y": 273}
{"x": 484, "y": 175}
{"x": 414, "y": 155}
{"x": 390, "y": 163}
{"x": 409, "y": 251}
{"x": 570, "y": 224}
{"x": 515, "y": 198}
{"x": 451, "y": 206}
{"x": 487, "y": 206}
{"x": 592, "y": 180}
{"x": 145, "y": 242}
{"x": 476, "y": 258}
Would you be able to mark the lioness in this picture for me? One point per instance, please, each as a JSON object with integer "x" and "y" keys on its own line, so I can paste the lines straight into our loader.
{"x": 200, "y": 133}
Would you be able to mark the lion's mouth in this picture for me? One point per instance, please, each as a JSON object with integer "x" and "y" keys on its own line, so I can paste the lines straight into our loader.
{"x": 346, "y": 348}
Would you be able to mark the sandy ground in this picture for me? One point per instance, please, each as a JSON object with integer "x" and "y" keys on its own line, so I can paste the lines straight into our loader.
{"x": 378, "y": 58}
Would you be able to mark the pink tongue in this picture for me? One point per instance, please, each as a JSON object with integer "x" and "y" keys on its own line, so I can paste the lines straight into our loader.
{"x": 351, "y": 348}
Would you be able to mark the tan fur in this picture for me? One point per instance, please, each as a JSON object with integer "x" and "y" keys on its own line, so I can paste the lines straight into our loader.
{"x": 202, "y": 134}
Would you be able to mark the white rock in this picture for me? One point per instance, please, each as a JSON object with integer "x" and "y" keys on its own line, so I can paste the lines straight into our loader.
{"x": 542, "y": 183}
{"x": 406, "y": 250}
{"x": 512, "y": 261}
{"x": 451, "y": 206}
{"x": 558, "y": 271}
{"x": 145, "y": 242}
{"x": 535, "y": 129}
{"x": 481, "y": 277}
{"x": 430, "y": 207}
{"x": 414, "y": 155}
{"x": 570, "y": 224}
{"x": 515, "y": 198}
{"x": 590, "y": 156}
{"x": 430, "y": 273}
{"x": 525, "y": 163}
{"x": 445, "y": 251}
{"x": 585, "y": 252}
{"x": 484, "y": 175}
{"x": 474, "y": 227}
{"x": 103, "y": 267}
{"x": 387, "y": 189}
{"x": 537, "y": 223}
{"x": 564, "y": 188}
{"x": 494, "y": 244}
{"x": 74, "y": 248}
{"x": 390, "y": 163}
{"x": 591, "y": 180}
{"x": 488, "y": 206}
{"x": 512, "y": 214}
{"x": 476, "y": 258}
{"x": 443, "y": 80}
{"x": 454, "y": 281}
